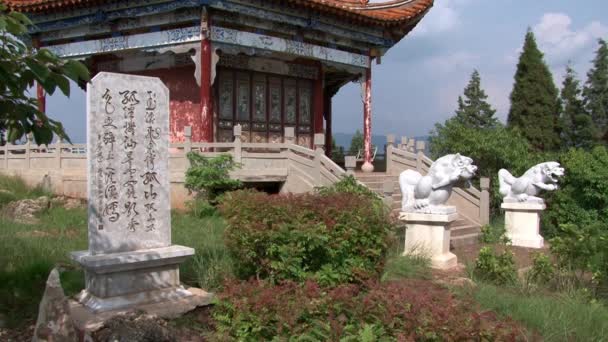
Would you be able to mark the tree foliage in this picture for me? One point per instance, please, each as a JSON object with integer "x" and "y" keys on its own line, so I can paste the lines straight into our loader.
{"x": 21, "y": 66}
{"x": 491, "y": 149}
{"x": 474, "y": 111}
{"x": 576, "y": 124}
{"x": 577, "y": 214}
{"x": 209, "y": 177}
{"x": 534, "y": 101}
{"x": 356, "y": 144}
{"x": 595, "y": 91}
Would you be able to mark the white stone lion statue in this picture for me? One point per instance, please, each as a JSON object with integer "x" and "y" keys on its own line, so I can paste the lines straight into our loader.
{"x": 428, "y": 194}
{"x": 543, "y": 176}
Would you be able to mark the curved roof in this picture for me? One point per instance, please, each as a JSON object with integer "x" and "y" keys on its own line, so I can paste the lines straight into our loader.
{"x": 388, "y": 13}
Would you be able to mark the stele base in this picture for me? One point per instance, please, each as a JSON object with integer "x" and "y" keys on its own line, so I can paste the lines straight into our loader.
{"x": 428, "y": 234}
{"x": 130, "y": 279}
{"x": 522, "y": 223}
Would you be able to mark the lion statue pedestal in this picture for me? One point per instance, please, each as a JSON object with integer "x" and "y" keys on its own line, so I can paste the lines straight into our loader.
{"x": 521, "y": 204}
{"x": 424, "y": 209}
{"x": 428, "y": 235}
{"x": 522, "y": 223}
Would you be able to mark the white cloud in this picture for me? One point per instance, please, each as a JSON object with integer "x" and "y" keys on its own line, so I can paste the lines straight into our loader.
{"x": 456, "y": 61}
{"x": 560, "y": 42}
{"x": 443, "y": 16}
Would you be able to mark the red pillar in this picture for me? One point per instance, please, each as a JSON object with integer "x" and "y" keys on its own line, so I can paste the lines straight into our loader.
{"x": 367, "y": 123}
{"x": 318, "y": 97}
{"x": 328, "y": 132}
{"x": 206, "y": 95}
{"x": 41, "y": 98}
{"x": 40, "y": 94}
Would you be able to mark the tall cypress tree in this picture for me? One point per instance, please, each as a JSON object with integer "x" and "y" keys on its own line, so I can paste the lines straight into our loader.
{"x": 474, "y": 111}
{"x": 534, "y": 101}
{"x": 596, "y": 90}
{"x": 577, "y": 126}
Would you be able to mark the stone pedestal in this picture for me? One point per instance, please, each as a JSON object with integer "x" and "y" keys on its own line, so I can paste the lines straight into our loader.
{"x": 522, "y": 223}
{"x": 131, "y": 279}
{"x": 428, "y": 234}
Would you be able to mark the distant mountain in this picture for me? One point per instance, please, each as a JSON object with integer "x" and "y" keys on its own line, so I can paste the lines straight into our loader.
{"x": 343, "y": 139}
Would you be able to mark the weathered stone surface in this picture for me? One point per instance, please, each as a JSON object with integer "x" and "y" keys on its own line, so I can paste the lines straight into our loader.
{"x": 26, "y": 210}
{"x": 128, "y": 168}
{"x": 54, "y": 321}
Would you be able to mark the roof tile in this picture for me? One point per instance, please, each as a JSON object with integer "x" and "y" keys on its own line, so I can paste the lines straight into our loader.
{"x": 386, "y": 13}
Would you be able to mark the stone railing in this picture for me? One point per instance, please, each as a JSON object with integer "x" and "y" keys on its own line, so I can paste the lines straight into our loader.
{"x": 62, "y": 167}
{"x": 472, "y": 203}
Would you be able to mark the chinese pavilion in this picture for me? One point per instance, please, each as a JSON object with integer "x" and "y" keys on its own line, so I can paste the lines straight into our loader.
{"x": 262, "y": 64}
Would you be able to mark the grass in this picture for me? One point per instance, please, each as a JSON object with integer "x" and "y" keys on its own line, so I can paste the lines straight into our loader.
{"x": 14, "y": 188}
{"x": 557, "y": 317}
{"x": 212, "y": 262}
{"x": 28, "y": 252}
{"x": 407, "y": 266}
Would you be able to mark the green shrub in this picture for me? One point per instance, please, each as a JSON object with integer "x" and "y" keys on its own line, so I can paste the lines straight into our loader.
{"x": 542, "y": 270}
{"x": 209, "y": 177}
{"x": 406, "y": 310}
{"x": 350, "y": 185}
{"x": 498, "y": 269}
{"x": 577, "y": 215}
{"x": 334, "y": 238}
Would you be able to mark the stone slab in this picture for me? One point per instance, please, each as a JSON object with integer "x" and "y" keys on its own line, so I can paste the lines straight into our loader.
{"x": 523, "y": 206}
{"x": 123, "y": 261}
{"x": 421, "y": 217}
{"x": 128, "y": 168}
{"x": 87, "y": 320}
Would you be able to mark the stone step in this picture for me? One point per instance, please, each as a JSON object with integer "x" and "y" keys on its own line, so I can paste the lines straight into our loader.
{"x": 464, "y": 240}
{"x": 464, "y": 230}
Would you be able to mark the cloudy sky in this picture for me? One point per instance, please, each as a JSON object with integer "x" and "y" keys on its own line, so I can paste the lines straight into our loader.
{"x": 420, "y": 78}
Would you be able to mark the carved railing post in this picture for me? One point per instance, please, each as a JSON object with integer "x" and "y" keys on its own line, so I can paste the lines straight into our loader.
{"x": 188, "y": 139}
{"x": 410, "y": 145}
{"x": 6, "y": 155}
{"x": 319, "y": 143}
{"x": 403, "y": 144}
{"x": 350, "y": 163}
{"x": 388, "y": 154}
{"x": 290, "y": 135}
{"x": 238, "y": 144}
{"x": 387, "y": 190}
{"x": 28, "y": 145}
{"x": 58, "y": 148}
{"x": 484, "y": 201}
{"x": 419, "y": 155}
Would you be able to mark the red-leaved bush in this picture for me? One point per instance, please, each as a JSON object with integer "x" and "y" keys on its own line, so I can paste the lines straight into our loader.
{"x": 333, "y": 238}
{"x": 410, "y": 310}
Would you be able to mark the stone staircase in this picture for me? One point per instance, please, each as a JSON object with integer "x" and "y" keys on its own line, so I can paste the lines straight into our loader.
{"x": 463, "y": 231}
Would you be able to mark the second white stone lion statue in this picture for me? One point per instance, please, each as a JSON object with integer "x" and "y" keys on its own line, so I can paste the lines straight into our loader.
{"x": 428, "y": 194}
{"x": 543, "y": 176}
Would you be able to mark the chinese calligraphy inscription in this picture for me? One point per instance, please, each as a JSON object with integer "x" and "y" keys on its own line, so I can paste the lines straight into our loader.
{"x": 128, "y": 124}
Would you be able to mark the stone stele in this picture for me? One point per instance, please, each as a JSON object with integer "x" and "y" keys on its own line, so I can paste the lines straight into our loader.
{"x": 130, "y": 260}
